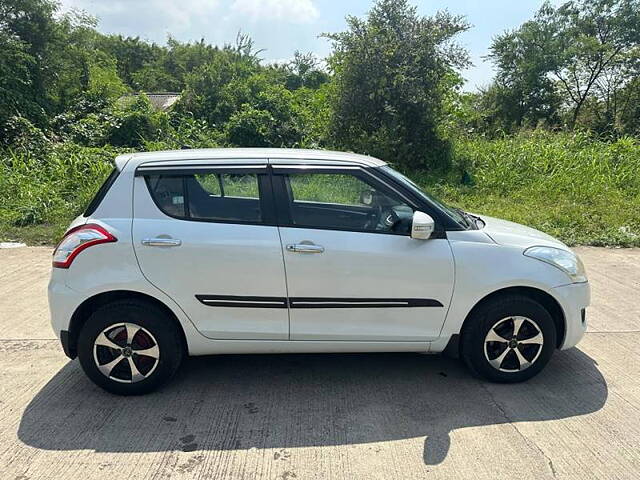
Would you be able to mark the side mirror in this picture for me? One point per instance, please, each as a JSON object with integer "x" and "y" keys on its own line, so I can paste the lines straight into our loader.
{"x": 422, "y": 226}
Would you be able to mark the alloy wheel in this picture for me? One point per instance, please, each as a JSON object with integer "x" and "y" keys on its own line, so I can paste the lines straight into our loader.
{"x": 126, "y": 353}
{"x": 513, "y": 344}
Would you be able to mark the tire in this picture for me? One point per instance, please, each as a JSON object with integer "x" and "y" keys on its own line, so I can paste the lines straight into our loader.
{"x": 512, "y": 360}
{"x": 121, "y": 330}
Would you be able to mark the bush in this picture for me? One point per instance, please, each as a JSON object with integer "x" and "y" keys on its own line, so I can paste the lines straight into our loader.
{"x": 186, "y": 131}
{"x": 20, "y": 134}
{"x": 271, "y": 123}
{"x": 88, "y": 123}
{"x": 98, "y": 121}
{"x": 137, "y": 124}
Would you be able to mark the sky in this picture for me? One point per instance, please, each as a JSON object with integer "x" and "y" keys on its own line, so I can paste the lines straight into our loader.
{"x": 282, "y": 26}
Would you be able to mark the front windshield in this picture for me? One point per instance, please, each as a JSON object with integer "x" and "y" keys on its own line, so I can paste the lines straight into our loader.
{"x": 455, "y": 215}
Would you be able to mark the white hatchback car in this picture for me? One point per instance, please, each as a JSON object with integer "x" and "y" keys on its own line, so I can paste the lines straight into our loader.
{"x": 199, "y": 252}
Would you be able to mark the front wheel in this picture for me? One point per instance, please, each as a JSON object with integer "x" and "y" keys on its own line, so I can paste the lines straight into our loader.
{"x": 129, "y": 347}
{"x": 509, "y": 339}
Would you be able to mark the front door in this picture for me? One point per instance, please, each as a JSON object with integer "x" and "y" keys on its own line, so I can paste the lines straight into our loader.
{"x": 206, "y": 237}
{"x": 353, "y": 272}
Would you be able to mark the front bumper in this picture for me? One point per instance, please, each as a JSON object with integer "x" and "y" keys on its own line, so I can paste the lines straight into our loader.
{"x": 574, "y": 299}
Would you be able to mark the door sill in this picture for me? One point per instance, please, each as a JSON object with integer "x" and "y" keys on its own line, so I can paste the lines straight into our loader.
{"x": 214, "y": 347}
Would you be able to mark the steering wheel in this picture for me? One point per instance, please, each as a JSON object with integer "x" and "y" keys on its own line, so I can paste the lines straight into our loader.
{"x": 382, "y": 219}
{"x": 388, "y": 219}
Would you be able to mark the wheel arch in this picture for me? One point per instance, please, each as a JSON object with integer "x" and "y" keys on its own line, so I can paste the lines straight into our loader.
{"x": 90, "y": 305}
{"x": 540, "y": 296}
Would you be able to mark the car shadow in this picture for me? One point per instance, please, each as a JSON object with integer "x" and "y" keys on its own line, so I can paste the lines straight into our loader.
{"x": 280, "y": 401}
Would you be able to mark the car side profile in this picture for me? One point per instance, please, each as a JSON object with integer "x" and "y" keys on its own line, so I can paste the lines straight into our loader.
{"x": 237, "y": 251}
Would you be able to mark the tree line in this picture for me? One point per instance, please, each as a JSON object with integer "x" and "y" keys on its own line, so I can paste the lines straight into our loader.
{"x": 392, "y": 86}
{"x": 574, "y": 66}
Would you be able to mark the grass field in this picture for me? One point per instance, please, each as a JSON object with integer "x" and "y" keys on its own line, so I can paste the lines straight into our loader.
{"x": 580, "y": 190}
{"x": 41, "y": 194}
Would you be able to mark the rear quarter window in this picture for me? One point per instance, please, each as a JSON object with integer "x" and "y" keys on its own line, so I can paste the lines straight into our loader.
{"x": 168, "y": 193}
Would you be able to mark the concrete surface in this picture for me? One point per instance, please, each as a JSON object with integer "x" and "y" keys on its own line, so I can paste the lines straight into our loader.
{"x": 384, "y": 416}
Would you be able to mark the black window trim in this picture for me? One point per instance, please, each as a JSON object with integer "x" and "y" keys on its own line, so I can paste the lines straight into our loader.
{"x": 283, "y": 195}
{"x": 267, "y": 208}
{"x": 283, "y": 169}
{"x": 260, "y": 169}
{"x": 274, "y": 196}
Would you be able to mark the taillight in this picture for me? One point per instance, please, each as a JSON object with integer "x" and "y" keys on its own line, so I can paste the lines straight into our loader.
{"x": 76, "y": 240}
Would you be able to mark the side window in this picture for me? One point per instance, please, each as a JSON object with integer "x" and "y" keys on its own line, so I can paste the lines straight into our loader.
{"x": 168, "y": 193}
{"x": 224, "y": 197}
{"x": 345, "y": 201}
{"x": 240, "y": 185}
{"x": 209, "y": 196}
{"x": 210, "y": 182}
{"x": 327, "y": 188}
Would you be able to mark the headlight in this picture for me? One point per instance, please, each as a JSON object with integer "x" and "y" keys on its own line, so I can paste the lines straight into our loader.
{"x": 566, "y": 261}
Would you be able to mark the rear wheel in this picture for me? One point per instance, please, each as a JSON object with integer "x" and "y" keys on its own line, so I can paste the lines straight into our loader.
{"x": 509, "y": 339}
{"x": 130, "y": 347}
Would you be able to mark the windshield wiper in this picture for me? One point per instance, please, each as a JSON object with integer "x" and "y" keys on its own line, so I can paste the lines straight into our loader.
{"x": 468, "y": 220}
{"x": 476, "y": 220}
{"x": 479, "y": 223}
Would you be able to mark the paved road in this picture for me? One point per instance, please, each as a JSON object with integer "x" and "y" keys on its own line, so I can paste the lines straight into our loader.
{"x": 385, "y": 416}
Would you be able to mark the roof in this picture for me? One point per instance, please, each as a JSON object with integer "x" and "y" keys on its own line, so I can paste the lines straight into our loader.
{"x": 246, "y": 155}
{"x": 160, "y": 101}
{"x": 163, "y": 101}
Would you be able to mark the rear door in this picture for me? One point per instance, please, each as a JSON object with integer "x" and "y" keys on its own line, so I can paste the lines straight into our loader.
{"x": 206, "y": 236}
{"x": 353, "y": 271}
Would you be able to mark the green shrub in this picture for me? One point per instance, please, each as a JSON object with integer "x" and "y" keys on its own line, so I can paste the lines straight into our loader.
{"x": 88, "y": 123}
{"x": 137, "y": 123}
{"x": 20, "y": 134}
{"x": 186, "y": 131}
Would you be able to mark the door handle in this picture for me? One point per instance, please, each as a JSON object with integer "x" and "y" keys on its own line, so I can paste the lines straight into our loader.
{"x": 305, "y": 248}
{"x": 161, "y": 242}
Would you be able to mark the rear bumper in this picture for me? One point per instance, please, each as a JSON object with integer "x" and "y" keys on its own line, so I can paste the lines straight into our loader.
{"x": 574, "y": 299}
{"x": 62, "y": 302}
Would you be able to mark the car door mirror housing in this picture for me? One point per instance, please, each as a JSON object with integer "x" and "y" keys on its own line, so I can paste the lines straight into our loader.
{"x": 422, "y": 226}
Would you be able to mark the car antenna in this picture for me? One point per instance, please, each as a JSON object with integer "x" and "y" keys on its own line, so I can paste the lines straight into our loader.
{"x": 186, "y": 147}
